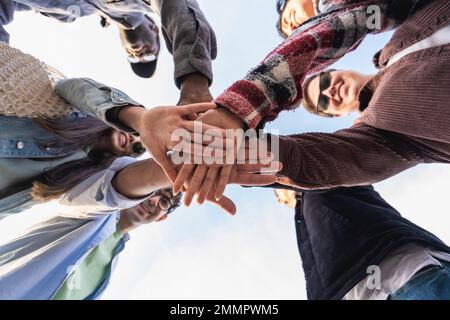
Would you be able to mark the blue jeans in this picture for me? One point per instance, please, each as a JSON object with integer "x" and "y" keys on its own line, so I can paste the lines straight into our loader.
{"x": 430, "y": 284}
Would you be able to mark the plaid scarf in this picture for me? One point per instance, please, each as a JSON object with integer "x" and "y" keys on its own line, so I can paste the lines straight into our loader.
{"x": 276, "y": 84}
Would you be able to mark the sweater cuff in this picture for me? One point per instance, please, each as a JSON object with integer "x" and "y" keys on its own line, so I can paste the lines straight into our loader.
{"x": 289, "y": 154}
{"x": 245, "y": 100}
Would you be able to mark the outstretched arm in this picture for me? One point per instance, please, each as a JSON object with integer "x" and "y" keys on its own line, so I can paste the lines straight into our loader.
{"x": 128, "y": 182}
{"x": 360, "y": 155}
{"x": 276, "y": 84}
{"x": 141, "y": 178}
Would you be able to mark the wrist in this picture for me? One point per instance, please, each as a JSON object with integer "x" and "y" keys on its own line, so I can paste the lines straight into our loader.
{"x": 231, "y": 117}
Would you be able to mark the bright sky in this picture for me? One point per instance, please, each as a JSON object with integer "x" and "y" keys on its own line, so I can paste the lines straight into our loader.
{"x": 200, "y": 252}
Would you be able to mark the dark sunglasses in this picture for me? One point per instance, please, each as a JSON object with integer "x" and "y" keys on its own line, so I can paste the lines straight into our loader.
{"x": 324, "y": 83}
{"x": 138, "y": 149}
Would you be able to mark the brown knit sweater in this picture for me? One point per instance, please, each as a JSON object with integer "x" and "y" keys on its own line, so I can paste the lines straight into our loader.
{"x": 406, "y": 122}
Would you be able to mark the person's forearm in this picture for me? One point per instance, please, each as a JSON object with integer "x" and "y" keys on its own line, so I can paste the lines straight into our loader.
{"x": 276, "y": 84}
{"x": 189, "y": 37}
{"x": 194, "y": 89}
{"x": 130, "y": 116}
{"x": 357, "y": 156}
{"x": 140, "y": 179}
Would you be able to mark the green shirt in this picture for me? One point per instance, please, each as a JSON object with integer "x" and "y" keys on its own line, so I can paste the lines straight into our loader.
{"x": 90, "y": 273}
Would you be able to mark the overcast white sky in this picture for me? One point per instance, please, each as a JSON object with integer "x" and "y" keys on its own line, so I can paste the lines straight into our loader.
{"x": 200, "y": 252}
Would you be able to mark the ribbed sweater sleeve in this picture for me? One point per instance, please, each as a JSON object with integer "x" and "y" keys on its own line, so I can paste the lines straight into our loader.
{"x": 276, "y": 83}
{"x": 359, "y": 155}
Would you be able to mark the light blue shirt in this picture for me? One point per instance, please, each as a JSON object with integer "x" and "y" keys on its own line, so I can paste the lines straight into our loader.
{"x": 35, "y": 265}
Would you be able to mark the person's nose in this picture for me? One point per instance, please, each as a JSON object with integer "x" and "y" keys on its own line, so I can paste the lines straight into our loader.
{"x": 155, "y": 200}
{"x": 330, "y": 92}
{"x": 292, "y": 21}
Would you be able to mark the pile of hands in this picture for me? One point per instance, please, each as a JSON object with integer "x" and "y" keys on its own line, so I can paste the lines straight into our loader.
{"x": 198, "y": 174}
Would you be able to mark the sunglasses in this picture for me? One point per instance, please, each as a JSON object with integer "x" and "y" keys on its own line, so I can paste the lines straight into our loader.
{"x": 324, "y": 83}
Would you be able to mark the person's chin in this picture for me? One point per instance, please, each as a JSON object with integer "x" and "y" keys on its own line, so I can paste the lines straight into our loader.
{"x": 136, "y": 220}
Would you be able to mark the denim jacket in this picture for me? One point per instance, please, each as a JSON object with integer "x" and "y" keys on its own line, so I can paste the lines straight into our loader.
{"x": 20, "y": 137}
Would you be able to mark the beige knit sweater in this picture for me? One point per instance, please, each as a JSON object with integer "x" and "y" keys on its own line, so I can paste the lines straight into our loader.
{"x": 26, "y": 86}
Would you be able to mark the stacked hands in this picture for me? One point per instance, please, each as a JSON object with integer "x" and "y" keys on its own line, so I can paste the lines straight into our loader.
{"x": 201, "y": 147}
